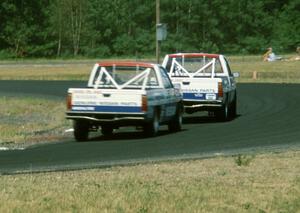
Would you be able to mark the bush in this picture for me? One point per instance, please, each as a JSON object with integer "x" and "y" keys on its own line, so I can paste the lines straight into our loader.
{"x": 243, "y": 160}
{"x": 98, "y": 52}
{"x": 7, "y": 54}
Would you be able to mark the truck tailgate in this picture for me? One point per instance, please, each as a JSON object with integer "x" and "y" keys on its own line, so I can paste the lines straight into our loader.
{"x": 105, "y": 100}
{"x": 199, "y": 88}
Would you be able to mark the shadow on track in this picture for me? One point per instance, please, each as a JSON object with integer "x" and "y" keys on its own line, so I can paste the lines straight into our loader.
{"x": 205, "y": 119}
{"x": 126, "y": 135}
{"x": 134, "y": 134}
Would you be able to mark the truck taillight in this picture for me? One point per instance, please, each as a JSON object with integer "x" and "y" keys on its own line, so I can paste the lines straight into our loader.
{"x": 69, "y": 101}
{"x": 220, "y": 89}
{"x": 144, "y": 103}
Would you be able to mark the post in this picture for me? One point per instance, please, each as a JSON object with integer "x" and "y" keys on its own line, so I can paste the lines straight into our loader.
{"x": 157, "y": 22}
{"x": 254, "y": 75}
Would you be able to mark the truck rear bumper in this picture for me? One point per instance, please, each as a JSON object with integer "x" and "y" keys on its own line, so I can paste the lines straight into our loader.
{"x": 106, "y": 118}
{"x": 193, "y": 106}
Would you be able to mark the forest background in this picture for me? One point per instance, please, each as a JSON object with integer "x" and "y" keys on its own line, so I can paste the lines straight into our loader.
{"x": 108, "y": 28}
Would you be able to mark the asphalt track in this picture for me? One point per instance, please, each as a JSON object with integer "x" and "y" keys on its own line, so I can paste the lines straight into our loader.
{"x": 268, "y": 117}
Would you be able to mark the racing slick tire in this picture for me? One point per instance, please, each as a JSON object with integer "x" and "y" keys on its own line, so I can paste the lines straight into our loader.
{"x": 106, "y": 130}
{"x": 175, "y": 124}
{"x": 223, "y": 113}
{"x": 151, "y": 128}
{"x": 81, "y": 130}
{"x": 233, "y": 107}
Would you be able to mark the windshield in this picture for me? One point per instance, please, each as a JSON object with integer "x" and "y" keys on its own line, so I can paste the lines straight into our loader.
{"x": 125, "y": 77}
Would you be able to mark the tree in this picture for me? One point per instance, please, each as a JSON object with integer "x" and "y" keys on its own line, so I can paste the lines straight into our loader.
{"x": 102, "y": 28}
{"x": 286, "y": 30}
{"x": 57, "y": 23}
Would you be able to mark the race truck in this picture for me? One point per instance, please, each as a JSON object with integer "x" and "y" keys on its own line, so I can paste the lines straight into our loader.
{"x": 125, "y": 94}
{"x": 206, "y": 81}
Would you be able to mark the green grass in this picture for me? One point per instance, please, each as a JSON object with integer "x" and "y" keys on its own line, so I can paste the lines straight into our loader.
{"x": 270, "y": 183}
{"x": 272, "y": 72}
{"x": 68, "y": 71}
{"x": 23, "y": 120}
{"x": 35, "y": 125}
{"x": 243, "y": 183}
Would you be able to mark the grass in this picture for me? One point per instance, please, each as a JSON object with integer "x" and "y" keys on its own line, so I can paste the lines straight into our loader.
{"x": 270, "y": 183}
{"x": 276, "y": 72}
{"x": 23, "y": 120}
{"x": 269, "y": 72}
{"x": 70, "y": 71}
{"x": 244, "y": 183}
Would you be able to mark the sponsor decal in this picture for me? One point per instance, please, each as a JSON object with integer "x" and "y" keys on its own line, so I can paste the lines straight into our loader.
{"x": 196, "y": 96}
{"x": 211, "y": 96}
{"x": 88, "y": 91}
{"x": 200, "y": 96}
{"x": 112, "y": 109}
{"x": 128, "y": 104}
{"x": 84, "y": 96}
{"x": 83, "y": 108}
{"x": 198, "y": 90}
{"x": 100, "y": 103}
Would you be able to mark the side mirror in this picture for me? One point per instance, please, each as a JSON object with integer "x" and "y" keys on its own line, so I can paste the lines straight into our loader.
{"x": 236, "y": 74}
{"x": 177, "y": 87}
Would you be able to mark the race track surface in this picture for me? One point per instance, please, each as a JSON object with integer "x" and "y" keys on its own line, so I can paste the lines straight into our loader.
{"x": 268, "y": 116}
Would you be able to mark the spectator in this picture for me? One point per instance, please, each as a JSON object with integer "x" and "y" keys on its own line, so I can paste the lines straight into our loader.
{"x": 296, "y": 57}
{"x": 266, "y": 55}
{"x": 298, "y": 52}
{"x": 270, "y": 55}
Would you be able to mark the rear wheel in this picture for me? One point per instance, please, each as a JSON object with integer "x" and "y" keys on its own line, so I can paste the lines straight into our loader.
{"x": 176, "y": 123}
{"x": 151, "y": 128}
{"x": 106, "y": 130}
{"x": 81, "y": 130}
{"x": 223, "y": 113}
{"x": 233, "y": 108}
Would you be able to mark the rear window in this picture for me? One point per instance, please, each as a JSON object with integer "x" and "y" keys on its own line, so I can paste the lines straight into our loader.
{"x": 193, "y": 65}
{"x": 125, "y": 77}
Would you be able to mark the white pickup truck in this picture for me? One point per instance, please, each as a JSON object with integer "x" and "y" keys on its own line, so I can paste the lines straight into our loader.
{"x": 125, "y": 94}
{"x": 206, "y": 81}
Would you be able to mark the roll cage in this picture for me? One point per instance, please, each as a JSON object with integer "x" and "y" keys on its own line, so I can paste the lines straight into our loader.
{"x": 125, "y": 77}
{"x": 193, "y": 65}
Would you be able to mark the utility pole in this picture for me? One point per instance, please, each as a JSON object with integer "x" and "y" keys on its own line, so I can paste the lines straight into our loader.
{"x": 157, "y": 22}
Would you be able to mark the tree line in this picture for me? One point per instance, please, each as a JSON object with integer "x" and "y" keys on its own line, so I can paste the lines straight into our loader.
{"x": 105, "y": 28}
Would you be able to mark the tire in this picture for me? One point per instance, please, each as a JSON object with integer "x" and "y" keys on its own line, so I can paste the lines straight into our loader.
{"x": 151, "y": 128}
{"x": 106, "y": 130}
{"x": 175, "y": 124}
{"x": 233, "y": 108}
{"x": 223, "y": 113}
{"x": 81, "y": 130}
